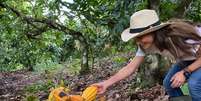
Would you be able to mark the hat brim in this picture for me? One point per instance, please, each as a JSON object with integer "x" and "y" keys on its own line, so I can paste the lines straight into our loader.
{"x": 126, "y": 35}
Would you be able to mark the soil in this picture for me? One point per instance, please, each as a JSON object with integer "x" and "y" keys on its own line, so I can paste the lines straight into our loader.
{"x": 13, "y": 83}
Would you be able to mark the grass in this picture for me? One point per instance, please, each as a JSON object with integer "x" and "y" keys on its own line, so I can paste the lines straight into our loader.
{"x": 185, "y": 90}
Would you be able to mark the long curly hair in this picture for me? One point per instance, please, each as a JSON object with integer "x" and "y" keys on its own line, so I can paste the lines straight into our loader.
{"x": 173, "y": 38}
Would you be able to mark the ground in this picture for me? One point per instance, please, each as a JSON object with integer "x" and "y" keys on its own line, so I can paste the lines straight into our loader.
{"x": 13, "y": 83}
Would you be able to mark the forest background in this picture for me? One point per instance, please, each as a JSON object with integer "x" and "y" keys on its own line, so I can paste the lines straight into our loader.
{"x": 46, "y": 43}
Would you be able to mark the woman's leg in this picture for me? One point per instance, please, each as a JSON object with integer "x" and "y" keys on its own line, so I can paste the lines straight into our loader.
{"x": 172, "y": 92}
{"x": 194, "y": 85}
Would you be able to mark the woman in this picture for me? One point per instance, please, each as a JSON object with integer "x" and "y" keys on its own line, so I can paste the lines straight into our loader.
{"x": 178, "y": 40}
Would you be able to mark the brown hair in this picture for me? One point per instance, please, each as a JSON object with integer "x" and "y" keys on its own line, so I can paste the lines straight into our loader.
{"x": 173, "y": 38}
{"x": 186, "y": 21}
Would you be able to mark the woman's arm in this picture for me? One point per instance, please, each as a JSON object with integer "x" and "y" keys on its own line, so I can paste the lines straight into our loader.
{"x": 196, "y": 64}
{"x": 178, "y": 79}
{"x": 125, "y": 71}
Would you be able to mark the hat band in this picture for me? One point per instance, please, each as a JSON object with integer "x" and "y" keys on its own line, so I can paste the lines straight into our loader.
{"x": 137, "y": 30}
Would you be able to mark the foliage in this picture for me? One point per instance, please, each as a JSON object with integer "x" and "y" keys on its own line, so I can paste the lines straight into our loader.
{"x": 26, "y": 43}
{"x": 44, "y": 87}
{"x": 167, "y": 10}
{"x": 48, "y": 35}
{"x": 194, "y": 12}
{"x": 184, "y": 89}
{"x": 32, "y": 90}
{"x": 39, "y": 87}
{"x": 31, "y": 98}
{"x": 47, "y": 66}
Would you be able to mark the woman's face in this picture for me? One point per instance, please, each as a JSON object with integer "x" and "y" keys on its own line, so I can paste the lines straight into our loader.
{"x": 145, "y": 41}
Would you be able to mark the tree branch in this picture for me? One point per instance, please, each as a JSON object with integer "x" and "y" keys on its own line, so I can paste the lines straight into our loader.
{"x": 153, "y": 4}
{"x": 50, "y": 23}
{"x": 180, "y": 11}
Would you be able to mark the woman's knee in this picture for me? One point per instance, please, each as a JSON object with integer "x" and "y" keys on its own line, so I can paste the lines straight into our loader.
{"x": 194, "y": 88}
{"x": 167, "y": 83}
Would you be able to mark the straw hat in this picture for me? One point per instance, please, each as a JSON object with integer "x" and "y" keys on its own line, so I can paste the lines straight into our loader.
{"x": 141, "y": 23}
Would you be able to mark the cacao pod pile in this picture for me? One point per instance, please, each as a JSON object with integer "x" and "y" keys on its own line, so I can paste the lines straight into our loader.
{"x": 59, "y": 94}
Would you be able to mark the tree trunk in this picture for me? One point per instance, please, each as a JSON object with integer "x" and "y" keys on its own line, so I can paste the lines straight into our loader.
{"x": 153, "y": 4}
{"x": 85, "y": 56}
{"x": 180, "y": 11}
{"x": 84, "y": 61}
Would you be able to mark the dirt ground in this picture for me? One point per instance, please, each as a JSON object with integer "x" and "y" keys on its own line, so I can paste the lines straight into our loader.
{"x": 12, "y": 84}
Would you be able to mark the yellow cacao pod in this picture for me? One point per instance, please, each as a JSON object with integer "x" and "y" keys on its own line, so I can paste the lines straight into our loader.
{"x": 76, "y": 98}
{"x": 50, "y": 97}
{"x": 102, "y": 98}
{"x": 58, "y": 94}
{"x": 89, "y": 94}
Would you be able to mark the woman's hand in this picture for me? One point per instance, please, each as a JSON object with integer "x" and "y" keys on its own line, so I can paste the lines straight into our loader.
{"x": 102, "y": 87}
{"x": 178, "y": 79}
